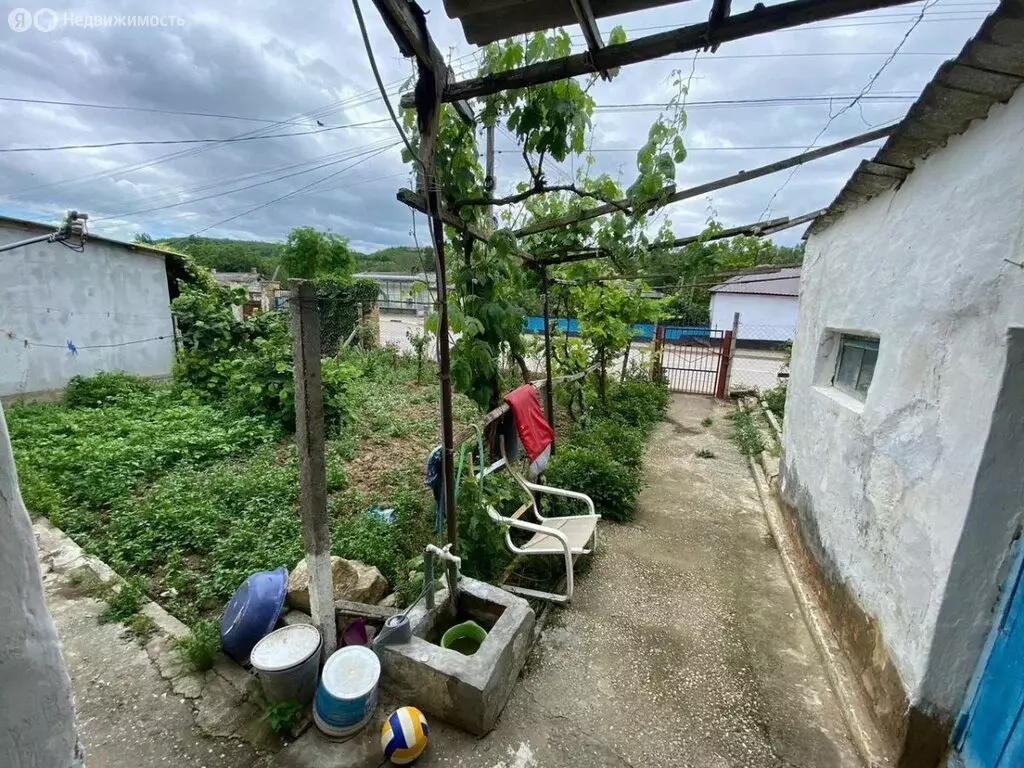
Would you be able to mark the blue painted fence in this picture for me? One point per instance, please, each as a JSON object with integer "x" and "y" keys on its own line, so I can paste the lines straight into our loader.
{"x": 641, "y": 331}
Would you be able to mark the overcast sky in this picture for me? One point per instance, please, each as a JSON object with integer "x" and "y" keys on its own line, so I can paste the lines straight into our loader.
{"x": 286, "y": 66}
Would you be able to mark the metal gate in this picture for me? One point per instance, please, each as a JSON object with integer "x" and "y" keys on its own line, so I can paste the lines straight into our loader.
{"x": 694, "y": 360}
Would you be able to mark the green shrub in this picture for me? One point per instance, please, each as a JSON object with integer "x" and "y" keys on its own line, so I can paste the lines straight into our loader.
{"x": 624, "y": 443}
{"x": 485, "y": 556}
{"x": 105, "y": 389}
{"x": 125, "y": 602}
{"x": 199, "y": 648}
{"x": 612, "y": 485}
{"x": 637, "y": 402}
{"x": 775, "y": 399}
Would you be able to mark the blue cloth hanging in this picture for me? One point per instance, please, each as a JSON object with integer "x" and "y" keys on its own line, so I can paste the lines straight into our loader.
{"x": 435, "y": 479}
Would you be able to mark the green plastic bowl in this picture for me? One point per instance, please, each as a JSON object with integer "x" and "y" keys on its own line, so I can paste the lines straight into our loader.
{"x": 465, "y": 638}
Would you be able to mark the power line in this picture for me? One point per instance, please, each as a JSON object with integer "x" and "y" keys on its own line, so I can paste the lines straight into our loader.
{"x": 295, "y": 192}
{"x": 152, "y": 110}
{"x": 861, "y": 96}
{"x": 763, "y": 147}
{"x": 242, "y": 189}
{"x": 869, "y": 21}
{"x": 380, "y": 83}
{"x": 193, "y": 141}
{"x": 768, "y": 101}
{"x": 328, "y": 109}
{"x": 806, "y": 54}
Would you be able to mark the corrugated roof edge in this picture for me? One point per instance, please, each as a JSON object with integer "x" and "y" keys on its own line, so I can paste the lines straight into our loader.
{"x": 988, "y": 71}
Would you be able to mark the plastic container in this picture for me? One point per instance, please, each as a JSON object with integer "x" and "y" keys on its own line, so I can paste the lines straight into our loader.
{"x": 252, "y": 612}
{"x": 288, "y": 662}
{"x": 466, "y": 638}
{"x": 347, "y": 694}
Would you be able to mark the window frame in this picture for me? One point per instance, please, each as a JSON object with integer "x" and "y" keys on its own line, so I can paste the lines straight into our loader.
{"x": 865, "y": 345}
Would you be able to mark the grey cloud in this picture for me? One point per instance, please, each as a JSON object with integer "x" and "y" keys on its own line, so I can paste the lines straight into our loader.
{"x": 281, "y": 61}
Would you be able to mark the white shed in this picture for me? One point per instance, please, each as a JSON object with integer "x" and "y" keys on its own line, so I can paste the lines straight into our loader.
{"x": 768, "y": 303}
{"x": 64, "y": 313}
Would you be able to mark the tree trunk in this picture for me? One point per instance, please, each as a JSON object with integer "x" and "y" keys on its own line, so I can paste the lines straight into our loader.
{"x": 625, "y": 360}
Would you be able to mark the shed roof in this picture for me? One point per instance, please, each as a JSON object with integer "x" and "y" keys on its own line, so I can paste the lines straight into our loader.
{"x": 484, "y": 21}
{"x": 42, "y": 227}
{"x": 782, "y": 282}
{"x": 988, "y": 71}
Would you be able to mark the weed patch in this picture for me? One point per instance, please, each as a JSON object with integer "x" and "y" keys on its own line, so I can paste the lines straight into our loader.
{"x": 123, "y": 602}
{"x": 745, "y": 433}
{"x": 199, "y": 648}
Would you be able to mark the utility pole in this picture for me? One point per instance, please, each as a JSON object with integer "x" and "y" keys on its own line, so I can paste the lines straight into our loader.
{"x": 309, "y": 437}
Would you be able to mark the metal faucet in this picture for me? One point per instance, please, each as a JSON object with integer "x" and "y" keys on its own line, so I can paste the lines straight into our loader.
{"x": 454, "y": 563}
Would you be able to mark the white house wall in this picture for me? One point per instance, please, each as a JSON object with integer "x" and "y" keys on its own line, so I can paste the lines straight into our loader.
{"x": 882, "y": 490}
{"x": 761, "y": 317}
{"x": 49, "y": 294}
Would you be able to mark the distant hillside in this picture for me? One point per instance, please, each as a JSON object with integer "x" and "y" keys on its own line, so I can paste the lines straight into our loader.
{"x": 403, "y": 259}
{"x": 226, "y": 255}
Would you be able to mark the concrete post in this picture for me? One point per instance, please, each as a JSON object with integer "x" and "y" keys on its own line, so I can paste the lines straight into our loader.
{"x": 309, "y": 437}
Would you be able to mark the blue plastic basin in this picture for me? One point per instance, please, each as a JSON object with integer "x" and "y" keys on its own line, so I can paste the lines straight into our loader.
{"x": 252, "y": 612}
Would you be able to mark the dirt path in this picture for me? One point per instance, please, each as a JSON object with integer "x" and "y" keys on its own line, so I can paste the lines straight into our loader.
{"x": 684, "y": 646}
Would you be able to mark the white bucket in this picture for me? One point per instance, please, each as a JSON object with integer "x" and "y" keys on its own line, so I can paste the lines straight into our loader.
{"x": 347, "y": 694}
{"x": 287, "y": 661}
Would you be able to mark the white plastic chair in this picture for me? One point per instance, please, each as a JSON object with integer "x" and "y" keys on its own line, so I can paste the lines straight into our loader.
{"x": 566, "y": 536}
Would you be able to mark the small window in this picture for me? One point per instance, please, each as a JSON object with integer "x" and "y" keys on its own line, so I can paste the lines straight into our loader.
{"x": 856, "y": 365}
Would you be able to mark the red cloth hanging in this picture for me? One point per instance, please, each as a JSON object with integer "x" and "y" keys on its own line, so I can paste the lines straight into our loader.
{"x": 535, "y": 433}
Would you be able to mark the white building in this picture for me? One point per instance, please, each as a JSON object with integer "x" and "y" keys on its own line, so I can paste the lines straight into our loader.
{"x": 403, "y": 294}
{"x": 65, "y": 313}
{"x": 903, "y": 465}
{"x": 768, "y": 303}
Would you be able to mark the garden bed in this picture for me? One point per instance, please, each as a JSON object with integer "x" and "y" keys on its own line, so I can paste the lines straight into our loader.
{"x": 193, "y": 498}
{"x": 189, "y": 498}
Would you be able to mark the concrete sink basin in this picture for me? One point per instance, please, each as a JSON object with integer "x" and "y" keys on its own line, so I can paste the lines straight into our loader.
{"x": 467, "y": 691}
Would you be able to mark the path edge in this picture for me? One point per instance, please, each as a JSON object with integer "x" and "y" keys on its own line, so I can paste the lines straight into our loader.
{"x": 863, "y": 731}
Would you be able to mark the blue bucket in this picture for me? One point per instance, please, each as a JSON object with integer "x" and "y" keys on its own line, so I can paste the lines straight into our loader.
{"x": 347, "y": 694}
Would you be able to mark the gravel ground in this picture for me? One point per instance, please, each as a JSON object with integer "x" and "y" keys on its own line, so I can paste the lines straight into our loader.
{"x": 684, "y": 645}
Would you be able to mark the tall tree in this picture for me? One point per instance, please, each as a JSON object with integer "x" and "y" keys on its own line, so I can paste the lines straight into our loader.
{"x": 309, "y": 253}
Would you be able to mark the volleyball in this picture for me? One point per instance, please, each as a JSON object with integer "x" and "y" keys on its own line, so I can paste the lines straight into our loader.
{"x": 404, "y": 735}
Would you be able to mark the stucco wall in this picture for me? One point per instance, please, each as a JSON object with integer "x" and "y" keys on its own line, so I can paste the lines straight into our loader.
{"x": 107, "y": 295}
{"x": 882, "y": 489}
{"x": 37, "y": 719}
{"x": 761, "y": 317}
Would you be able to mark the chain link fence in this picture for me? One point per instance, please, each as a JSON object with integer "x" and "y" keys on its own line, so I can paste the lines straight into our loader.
{"x": 761, "y": 357}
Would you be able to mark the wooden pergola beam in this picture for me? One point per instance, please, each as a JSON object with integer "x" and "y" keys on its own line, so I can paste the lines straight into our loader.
{"x": 588, "y": 25}
{"x": 758, "y": 228}
{"x": 755, "y": 22}
{"x": 417, "y": 202}
{"x": 711, "y": 186}
{"x": 400, "y": 17}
